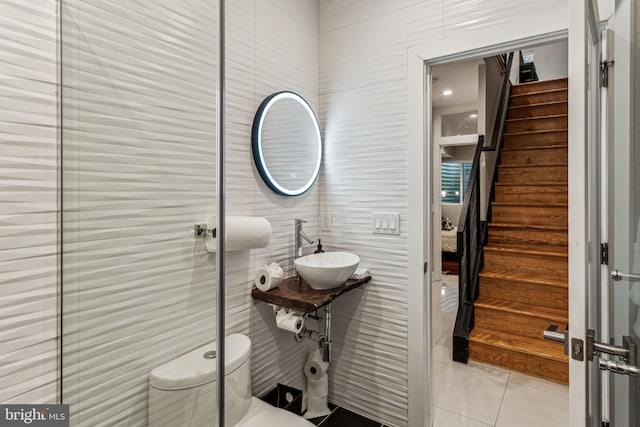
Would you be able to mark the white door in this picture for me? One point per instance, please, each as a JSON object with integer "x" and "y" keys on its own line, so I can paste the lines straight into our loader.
{"x": 604, "y": 179}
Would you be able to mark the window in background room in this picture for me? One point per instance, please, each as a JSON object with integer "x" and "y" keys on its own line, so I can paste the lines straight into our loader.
{"x": 455, "y": 177}
{"x": 465, "y": 123}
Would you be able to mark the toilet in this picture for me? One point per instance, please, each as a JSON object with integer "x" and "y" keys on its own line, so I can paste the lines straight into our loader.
{"x": 183, "y": 392}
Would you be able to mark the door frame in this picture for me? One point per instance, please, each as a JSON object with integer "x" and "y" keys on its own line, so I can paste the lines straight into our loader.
{"x": 549, "y": 27}
{"x": 580, "y": 14}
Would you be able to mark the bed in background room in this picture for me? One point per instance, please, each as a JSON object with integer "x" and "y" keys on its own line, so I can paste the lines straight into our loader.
{"x": 448, "y": 239}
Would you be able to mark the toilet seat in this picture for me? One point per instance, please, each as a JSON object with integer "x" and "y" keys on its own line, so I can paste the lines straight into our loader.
{"x": 261, "y": 414}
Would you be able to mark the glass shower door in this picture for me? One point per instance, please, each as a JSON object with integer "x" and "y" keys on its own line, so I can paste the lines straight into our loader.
{"x": 138, "y": 171}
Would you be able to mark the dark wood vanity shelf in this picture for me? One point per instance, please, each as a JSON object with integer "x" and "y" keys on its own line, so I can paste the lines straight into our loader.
{"x": 295, "y": 294}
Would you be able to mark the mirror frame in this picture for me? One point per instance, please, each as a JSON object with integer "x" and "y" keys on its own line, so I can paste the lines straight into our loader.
{"x": 256, "y": 144}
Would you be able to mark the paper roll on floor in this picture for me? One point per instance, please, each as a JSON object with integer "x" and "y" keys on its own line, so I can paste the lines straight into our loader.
{"x": 241, "y": 233}
{"x": 315, "y": 368}
{"x": 318, "y": 387}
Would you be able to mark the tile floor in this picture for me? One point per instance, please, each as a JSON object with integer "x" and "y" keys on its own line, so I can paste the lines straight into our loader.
{"x": 480, "y": 395}
{"x": 341, "y": 417}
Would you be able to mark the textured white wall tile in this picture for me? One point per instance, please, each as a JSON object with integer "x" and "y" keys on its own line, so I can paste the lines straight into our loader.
{"x": 364, "y": 95}
{"x": 475, "y": 16}
{"x": 29, "y": 208}
{"x": 140, "y": 171}
{"x": 286, "y": 58}
{"x": 336, "y": 14}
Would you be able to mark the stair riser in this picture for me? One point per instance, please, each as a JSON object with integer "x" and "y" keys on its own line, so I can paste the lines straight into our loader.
{"x": 537, "y": 110}
{"x": 534, "y": 124}
{"x": 509, "y": 290}
{"x": 512, "y": 323}
{"x": 536, "y": 140}
{"x": 523, "y": 236}
{"x": 539, "y": 86}
{"x": 535, "y": 157}
{"x": 546, "y": 265}
{"x": 535, "y": 194}
{"x": 526, "y": 363}
{"x": 529, "y": 215}
{"x": 538, "y": 98}
{"x": 533, "y": 174}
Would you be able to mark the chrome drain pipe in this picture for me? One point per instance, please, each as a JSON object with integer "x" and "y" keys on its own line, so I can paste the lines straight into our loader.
{"x": 325, "y": 342}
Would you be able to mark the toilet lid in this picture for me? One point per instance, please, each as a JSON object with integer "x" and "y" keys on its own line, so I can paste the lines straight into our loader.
{"x": 193, "y": 369}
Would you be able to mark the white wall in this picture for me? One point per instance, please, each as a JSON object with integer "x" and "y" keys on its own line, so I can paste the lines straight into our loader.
{"x": 29, "y": 208}
{"x": 274, "y": 46}
{"x": 551, "y": 60}
{"x": 364, "y": 96}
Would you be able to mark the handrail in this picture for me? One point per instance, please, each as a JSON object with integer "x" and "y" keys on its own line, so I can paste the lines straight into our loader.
{"x": 501, "y": 116}
{"x": 470, "y": 235}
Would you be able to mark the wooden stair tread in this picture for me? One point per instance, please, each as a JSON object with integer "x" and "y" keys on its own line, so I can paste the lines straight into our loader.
{"x": 535, "y": 132}
{"x": 526, "y": 277}
{"x": 531, "y": 184}
{"x": 547, "y": 250}
{"x": 531, "y": 204}
{"x": 554, "y": 314}
{"x": 552, "y": 116}
{"x": 532, "y": 346}
{"x": 541, "y": 104}
{"x": 540, "y": 82}
{"x": 539, "y": 92}
{"x": 542, "y": 147}
{"x": 528, "y": 226}
{"x": 537, "y": 165}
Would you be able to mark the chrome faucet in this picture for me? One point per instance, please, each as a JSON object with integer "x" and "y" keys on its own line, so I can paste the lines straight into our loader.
{"x": 299, "y": 236}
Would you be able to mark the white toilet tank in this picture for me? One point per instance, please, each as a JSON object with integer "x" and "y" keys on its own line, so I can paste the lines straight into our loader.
{"x": 183, "y": 392}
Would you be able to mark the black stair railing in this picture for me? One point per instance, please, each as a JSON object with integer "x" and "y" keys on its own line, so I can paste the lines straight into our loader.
{"x": 471, "y": 233}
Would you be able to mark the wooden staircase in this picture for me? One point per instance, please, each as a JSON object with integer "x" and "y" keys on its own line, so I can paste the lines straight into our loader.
{"x": 524, "y": 283}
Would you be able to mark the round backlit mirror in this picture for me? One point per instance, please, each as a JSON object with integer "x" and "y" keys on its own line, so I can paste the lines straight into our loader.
{"x": 286, "y": 143}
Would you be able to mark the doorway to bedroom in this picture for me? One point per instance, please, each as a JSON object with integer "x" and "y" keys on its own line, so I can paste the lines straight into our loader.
{"x": 458, "y": 118}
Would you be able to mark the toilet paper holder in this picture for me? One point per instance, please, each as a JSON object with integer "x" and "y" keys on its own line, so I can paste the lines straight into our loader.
{"x": 322, "y": 338}
{"x": 201, "y": 230}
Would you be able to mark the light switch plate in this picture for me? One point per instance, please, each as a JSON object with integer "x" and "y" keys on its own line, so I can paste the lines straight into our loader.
{"x": 385, "y": 223}
{"x": 325, "y": 221}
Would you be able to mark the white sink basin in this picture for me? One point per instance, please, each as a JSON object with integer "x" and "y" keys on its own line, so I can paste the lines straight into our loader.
{"x": 327, "y": 270}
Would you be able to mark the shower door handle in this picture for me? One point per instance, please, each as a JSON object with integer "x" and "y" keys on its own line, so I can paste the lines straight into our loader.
{"x": 617, "y": 275}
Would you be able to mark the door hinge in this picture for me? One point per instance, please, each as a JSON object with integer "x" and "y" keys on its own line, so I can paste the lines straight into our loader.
{"x": 604, "y": 253}
{"x": 604, "y": 73}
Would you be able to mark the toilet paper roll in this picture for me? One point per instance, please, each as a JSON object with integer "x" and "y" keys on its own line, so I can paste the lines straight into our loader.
{"x": 315, "y": 368}
{"x": 289, "y": 321}
{"x": 266, "y": 279}
{"x": 318, "y": 387}
{"x": 241, "y": 232}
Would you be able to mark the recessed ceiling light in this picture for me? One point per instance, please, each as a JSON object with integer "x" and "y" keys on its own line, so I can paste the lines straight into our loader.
{"x": 447, "y": 92}
{"x": 473, "y": 116}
